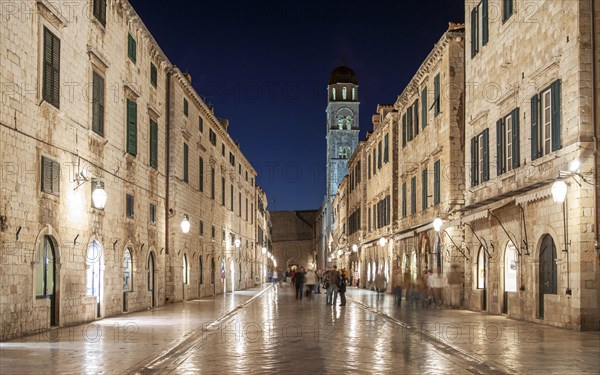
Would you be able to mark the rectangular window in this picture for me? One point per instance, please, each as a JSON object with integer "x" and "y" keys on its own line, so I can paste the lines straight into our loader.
{"x": 507, "y": 9}
{"x": 231, "y": 198}
{"x": 222, "y": 191}
{"x": 129, "y": 205}
{"x": 152, "y": 214}
{"x": 369, "y": 220}
{"x": 223, "y": 149}
{"x": 185, "y": 163}
{"x": 212, "y": 183}
{"x": 386, "y": 151}
{"x": 246, "y": 215}
{"x": 374, "y": 161}
{"x": 479, "y": 27}
{"x": 100, "y": 11}
{"x": 201, "y": 228}
{"x": 404, "y": 199}
{"x": 415, "y": 112}
{"x": 232, "y": 160}
{"x": 424, "y": 202}
{"x": 379, "y": 155}
{"x": 213, "y": 137}
{"x": 186, "y": 107}
{"x": 251, "y": 213}
{"x": 480, "y": 158}
{"x": 436, "y": 96}
{"x": 369, "y": 166}
{"x": 546, "y": 121}
{"x": 98, "y": 103}
{"x": 200, "y": 124}
{"x": 436, "y": 182}
{"x": 131, "y": 127}
{"x": 201, "y": 174}
{"x": 409, "y": 124}
{"x": 153, "y": 144}
{"x": 51, "y": 69}
{"x": 413, "y": 196}
{"x": 240, "y": 204}
{"x": 131, "y": 48}
{"x": 153, "y": 75}
{"x": 213, "y": 232}
{"x": 50, "y": 176}
{"x": 404, "y": 135}
{"x": 424, "y": 107}
{"x": 507, "y": 142}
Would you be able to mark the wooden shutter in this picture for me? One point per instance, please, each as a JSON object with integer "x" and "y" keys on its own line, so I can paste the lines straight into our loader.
{"x": 131, "y": 127}
{"x": 534, "y": 127}
{"x": 500, "y": 168}
{"x": 473, "y": 32}
{"x": 55, "y": 178}
{"x": 555, "y": 98}
{"x": 131, "y": 48}
{"x": 409, "y": 123}
{"x": 474, "y": 168}
{"x": 379, "y": 154}
{"x": 416, "y": 116}
{"x": 413, "y": 195}
{"x": 436, "y": 182}
{"x": 516, "y": 153}
{"x": 424, "y": 107}
{"x": 153, "y": 75}
{"x": 404, "y": 129}
{"x": 436, "y": 95}
{"x": 185, "y": 162}
{"x": 484, "y": 22}
{"x": 486, "y": 155}
{"x": 51, "y": 71}
{"x": 424, "y": 190}
{"x": 201, "y": 174}
{"x": 46, "y": 175}
{"x": 98, "y": 104}
{"x": 153, "y": 144}
{"x": 404, "y": 199}
{"x": 386, "y": 151}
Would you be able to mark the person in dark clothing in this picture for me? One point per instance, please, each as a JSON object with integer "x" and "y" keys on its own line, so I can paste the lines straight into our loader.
{"x": 299, "y": 283}
{"x": 342, "y": 287}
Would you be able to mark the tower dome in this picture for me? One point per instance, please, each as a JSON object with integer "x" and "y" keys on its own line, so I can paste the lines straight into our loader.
{"x": 342, "y": 74}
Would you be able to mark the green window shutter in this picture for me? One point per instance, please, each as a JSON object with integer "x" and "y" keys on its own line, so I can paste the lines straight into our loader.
{"x": 51, "y": 69}
{"x": 98, "y": 104}
{"x": 508, "y": 10}
{"x": 409, "y": 124}
{"x": 516, "y": 153}
{"x": 404, "y": 199}
{"x": 153, "y": 144}
{"x": 473, "y": 32}
{"x": 369, "y": 166}
{"x": 436, "y": 182}
{"x": 534, "y": 127}
{"x": 100, "y": 11}
{"x": 413, "y": 196}
{"x": 499, "y": 147}
{"x": 424, "y": 107}
{"x": 416, "y": 115}
{"x": 555, "y": 98}
{"x": 404, "y": 129}
{"x": 424, "y": 190}
{"x": 386, "y": 151}
{"x": 474, "y": 167}
{"x": 131, "y": 127}
{"x": 185, "y": 163}
{"x": 486, "y": 155}
{"x": 484, "y": 22}
{"x": 379, "y": 154}
{"x": 131, "y": 48}
{"x": 201, "y": 174}
{"x": 200, "y": 124}
{"x": 436, "y": 95}
{"x": 185, "y": 107}
{"x": 153, "y": 75}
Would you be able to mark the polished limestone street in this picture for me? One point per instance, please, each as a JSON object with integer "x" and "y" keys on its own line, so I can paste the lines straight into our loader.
{"x": 265, "y": 330}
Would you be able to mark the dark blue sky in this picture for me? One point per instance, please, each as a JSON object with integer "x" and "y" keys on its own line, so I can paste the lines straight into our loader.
{"x": 264, "y": 65}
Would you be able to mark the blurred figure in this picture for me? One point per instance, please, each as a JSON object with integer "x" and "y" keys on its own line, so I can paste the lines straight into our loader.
{"x": 397, "y": 281}
{"x": 332, "y": 280}
{"x": 311, "y": 282}
{"x": 298, "y": 281}
{"x": 343, "y": 282}
{"x": 319, "y": 275}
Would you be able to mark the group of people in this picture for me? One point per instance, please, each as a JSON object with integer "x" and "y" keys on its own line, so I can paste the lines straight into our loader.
{"x": 335, "y": 283}
{"x": 307, "y": 282}
{"x": 423, "y": 289}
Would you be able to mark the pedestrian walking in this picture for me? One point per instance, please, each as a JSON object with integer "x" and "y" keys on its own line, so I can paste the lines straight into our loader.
{"x": 332, "y": 279}
{"x": 298, "y": 281}
{"x": 397, "y": 280}
{"x": 311, "y": 282}
{"x": 319, "y": 275}
{"x": 343, "y": 282}
{"x": 380, "y": 282}
{"x": 275, "y": 276}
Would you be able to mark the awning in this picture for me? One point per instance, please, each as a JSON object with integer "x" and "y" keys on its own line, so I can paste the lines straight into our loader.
{"x": 534, "y": 196}
{"x": 404, "y": 235}
{"x": 476, "y": 216}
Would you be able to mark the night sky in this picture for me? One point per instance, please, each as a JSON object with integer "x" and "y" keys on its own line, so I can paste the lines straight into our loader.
{"x": 264, "y": 65}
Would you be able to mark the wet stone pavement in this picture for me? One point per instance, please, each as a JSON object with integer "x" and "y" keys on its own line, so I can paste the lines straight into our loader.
{"x": 266, "y": 331}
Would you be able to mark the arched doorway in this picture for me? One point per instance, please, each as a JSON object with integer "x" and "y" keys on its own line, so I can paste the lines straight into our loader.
{"x": 510, "y": 274}
{"x": 94, "y": 270}
{"x": 185, "y": 273}
{"x": 150, "y": 278}
{"x": 481, "y": 277}
{"x": 45, "y": 276}
{"x": 127, "y": 277}
{"x": 548, "y": 271}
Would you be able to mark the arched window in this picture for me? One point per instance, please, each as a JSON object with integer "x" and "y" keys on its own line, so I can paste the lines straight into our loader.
{"x": 343, "y": 154}
{"x": 184, "y": 269}
{"x": 127, "y": 271}
{"x": 510, "y": 268}
{"x": 353, "y": 93}
{"x": 481, "y": 269}
{"x": 200, "y": 273}
{"x": 548, "y": 268}
{"x": 93, "y": 259}
{"x": 344, "y": 93}
{"x": 333, "y": 93}
{"x": 44, "y": 269}
{"x": 150, "y": 272}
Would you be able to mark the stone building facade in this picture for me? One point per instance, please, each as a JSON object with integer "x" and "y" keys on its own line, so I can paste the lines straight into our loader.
{"x": 294, "y": 239}
{"x": 82, "y": 114}
{"x": 529, "y": 114}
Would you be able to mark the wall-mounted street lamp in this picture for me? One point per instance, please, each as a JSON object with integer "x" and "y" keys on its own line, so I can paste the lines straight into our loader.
{"x": 382, "y": 241}
{"x": 99, "y": 196}
{"x": 185, "y": 224}
{"x": 237, "y": 243}
{"x": 559, "y": 195}
{"x": 340, "y": 252}
{"x": 354, "y": 248}
{"x": 264, "y": 250}
{"x": 437, "y": 224}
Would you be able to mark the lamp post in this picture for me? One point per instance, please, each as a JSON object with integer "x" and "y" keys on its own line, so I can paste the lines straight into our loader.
{"x": 99, "y": 196}
{"x": 559, "y": 195}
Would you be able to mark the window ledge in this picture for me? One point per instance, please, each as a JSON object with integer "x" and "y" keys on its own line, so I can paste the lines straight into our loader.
{"x": 51, "y": 13}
